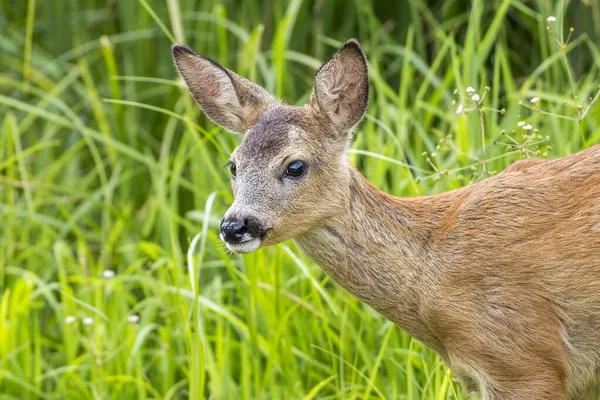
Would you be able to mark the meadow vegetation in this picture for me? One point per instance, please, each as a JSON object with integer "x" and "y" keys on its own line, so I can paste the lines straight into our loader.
{"x": 113, "y": 281}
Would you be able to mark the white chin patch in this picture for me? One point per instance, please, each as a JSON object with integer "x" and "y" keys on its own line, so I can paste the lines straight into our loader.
{"x": 247, "y": 246}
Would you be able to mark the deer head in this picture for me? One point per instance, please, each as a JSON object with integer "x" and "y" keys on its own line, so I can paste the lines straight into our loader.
{"x": 290, "y": 173}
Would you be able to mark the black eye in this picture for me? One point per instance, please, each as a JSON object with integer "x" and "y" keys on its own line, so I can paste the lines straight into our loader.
{"x": 296, "y": 169}
{"x": 232, "y": 168}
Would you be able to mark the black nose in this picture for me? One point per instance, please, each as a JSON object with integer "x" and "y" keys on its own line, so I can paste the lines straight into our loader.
{"x": 233, "y": 230}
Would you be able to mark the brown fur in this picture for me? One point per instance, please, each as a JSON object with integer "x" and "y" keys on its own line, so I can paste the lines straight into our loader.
{"x": 501, "y": 278}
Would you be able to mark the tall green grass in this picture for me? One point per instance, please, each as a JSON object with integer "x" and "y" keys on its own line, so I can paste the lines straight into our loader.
{"x": 107, "y": 166}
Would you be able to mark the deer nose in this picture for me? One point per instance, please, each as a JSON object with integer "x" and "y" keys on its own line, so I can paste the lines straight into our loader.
{"x": 233, "y": 230}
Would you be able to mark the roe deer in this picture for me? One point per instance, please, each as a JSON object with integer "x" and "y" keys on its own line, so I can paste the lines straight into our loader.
{"x": 501, "y": 278}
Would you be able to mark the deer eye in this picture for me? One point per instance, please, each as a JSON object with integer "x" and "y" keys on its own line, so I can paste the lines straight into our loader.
{"x": 296, "y": 169}
{"x": 232, "y": 168}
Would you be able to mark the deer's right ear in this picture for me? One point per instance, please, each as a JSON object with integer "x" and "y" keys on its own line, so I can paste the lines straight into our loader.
{"x": 341, "y": 88}
{"x": 229, "y": 100}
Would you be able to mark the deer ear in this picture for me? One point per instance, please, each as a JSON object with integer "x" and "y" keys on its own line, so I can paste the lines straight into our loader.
{"x": 341, "y": 88}
{"x": 229, "y": 100}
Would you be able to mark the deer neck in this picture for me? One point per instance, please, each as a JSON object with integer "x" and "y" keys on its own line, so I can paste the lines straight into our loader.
{"x": 379, "y": 248}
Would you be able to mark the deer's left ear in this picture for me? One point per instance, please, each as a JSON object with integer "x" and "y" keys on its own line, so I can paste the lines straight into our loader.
{"x": 341, "y": 88}
{"x": 233, "y": 102}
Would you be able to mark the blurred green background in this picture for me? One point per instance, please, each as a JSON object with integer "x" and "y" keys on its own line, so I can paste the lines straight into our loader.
{"x": 113, "y": 283}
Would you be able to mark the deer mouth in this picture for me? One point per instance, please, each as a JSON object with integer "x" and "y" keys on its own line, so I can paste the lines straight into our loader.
{"x": 246, "y": 245}
{"x": 245, "y": 242}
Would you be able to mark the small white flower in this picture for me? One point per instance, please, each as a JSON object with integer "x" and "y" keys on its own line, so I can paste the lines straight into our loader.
{"x": 551, "y": 19}
{"x": 460, "y": 109}
{"x": 108, "y": 273}
{"x": 70, "y": 319}
{"x": 520, "y": 123}
{"x": 535, "y": 99}
{"x": 528, "y": 127}
{"x": 470, "y": 90}
{"x": 475, "y": 97}
{"x": 134, "y": 319}
{"x": 88, "y": 321}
